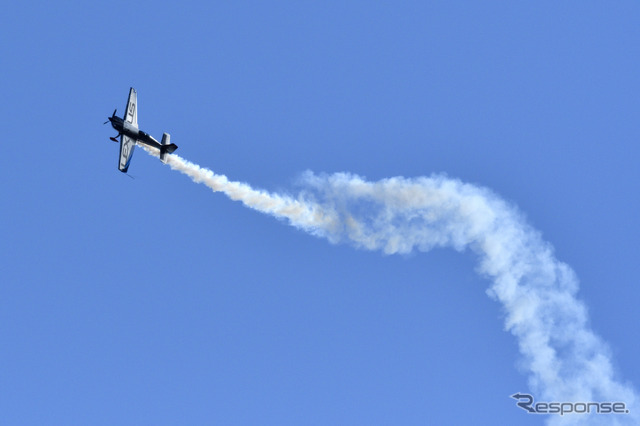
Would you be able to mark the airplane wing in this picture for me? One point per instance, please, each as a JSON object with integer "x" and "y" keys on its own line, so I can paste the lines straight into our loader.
{"x": 131, "y": 116}
{"x": 127, "y": 145}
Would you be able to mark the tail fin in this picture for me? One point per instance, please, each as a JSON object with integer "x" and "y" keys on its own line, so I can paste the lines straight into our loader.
{"x": 167, "y": 147}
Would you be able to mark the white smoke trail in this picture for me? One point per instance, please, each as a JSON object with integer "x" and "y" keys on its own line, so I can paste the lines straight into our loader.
{"x": 566, "y": 360}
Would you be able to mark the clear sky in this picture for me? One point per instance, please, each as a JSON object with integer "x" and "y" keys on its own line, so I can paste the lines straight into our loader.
{"x": 155, "y": 301}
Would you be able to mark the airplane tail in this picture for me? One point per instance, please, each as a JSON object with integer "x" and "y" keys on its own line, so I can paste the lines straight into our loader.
{"x": 167, "y": 147}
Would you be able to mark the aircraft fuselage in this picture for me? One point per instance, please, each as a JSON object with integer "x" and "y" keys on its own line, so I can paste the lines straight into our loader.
{"x": 128, "y": 129}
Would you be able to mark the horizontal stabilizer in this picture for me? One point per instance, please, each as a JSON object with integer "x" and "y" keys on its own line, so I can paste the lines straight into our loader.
{"x": 166, "y": 147}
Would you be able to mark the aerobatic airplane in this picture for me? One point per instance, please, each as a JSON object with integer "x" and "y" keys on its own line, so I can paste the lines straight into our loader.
{"x": 129, "y": 133}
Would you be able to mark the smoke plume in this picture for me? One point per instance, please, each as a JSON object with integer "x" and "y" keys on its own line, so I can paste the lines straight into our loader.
{"x": 565, "y": 359}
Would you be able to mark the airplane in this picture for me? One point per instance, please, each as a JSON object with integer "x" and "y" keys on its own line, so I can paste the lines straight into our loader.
{"x": 129, "y": 134}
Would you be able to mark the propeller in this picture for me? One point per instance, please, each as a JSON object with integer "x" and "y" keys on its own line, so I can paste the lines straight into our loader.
{"x": 113, "y": 115}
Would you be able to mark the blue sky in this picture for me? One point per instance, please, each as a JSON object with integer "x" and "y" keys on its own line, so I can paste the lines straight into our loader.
{"x": 153, "y": 300}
